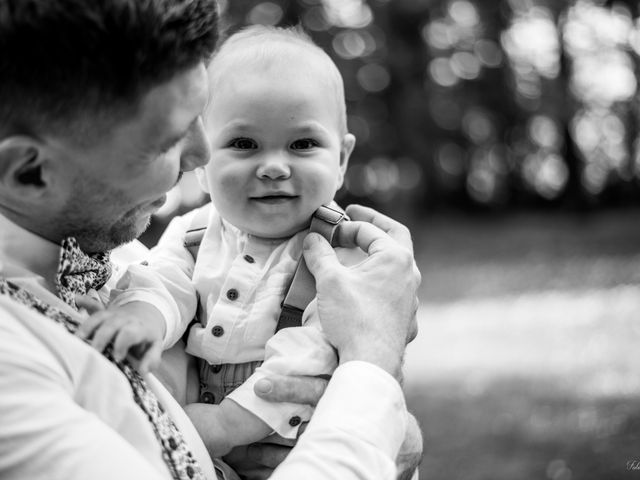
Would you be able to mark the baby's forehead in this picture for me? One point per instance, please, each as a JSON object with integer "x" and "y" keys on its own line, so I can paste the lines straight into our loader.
{"x": 273, "y": 54}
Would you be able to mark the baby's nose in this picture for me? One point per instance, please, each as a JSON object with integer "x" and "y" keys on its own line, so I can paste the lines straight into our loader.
{"x": 274, "y": 168}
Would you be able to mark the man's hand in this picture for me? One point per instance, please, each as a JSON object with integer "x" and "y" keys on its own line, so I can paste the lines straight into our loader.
{"x": 135, "y": 329}
{"x": 368, "y": 310}
{"x": 410, "y": 454}
{"x": 258, "y": 460}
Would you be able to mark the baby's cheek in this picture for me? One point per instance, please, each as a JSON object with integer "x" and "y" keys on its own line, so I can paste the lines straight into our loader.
{"x": 230, "y": 185}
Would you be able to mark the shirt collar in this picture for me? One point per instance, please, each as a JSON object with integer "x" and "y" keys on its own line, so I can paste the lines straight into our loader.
{"x": 25, "y": 254}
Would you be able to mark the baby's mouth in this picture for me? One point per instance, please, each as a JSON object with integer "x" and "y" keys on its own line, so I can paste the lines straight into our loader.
{"x": 275, "y": 198}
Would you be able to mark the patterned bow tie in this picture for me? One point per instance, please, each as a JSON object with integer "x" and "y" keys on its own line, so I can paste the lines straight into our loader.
{"x": 78, "y": 272}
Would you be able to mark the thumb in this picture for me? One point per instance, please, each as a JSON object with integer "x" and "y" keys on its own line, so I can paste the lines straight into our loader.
{"x": 318, "y": 254}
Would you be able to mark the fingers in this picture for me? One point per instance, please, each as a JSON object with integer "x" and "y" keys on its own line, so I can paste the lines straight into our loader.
{"x": 301, "y": 389}
{"x": 318, "y": 254}
{"x": 366, "y": 236}
{"x": 139, "y": 350}
{"x": 126, "y": 337}
{"x": 90, "y": 324}
{"x": 106, "y": 333}
{"x": 394, "y": 229}
{"x": 151, "y": 358}
{"x": 102, "y": 328}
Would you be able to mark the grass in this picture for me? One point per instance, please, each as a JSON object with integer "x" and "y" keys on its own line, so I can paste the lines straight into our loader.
{"x": 527, "y": 364}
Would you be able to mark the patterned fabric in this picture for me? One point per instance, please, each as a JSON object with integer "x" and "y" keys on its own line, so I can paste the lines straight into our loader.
{"x": 78, "y": 272}
{"x": 93, "y": 273}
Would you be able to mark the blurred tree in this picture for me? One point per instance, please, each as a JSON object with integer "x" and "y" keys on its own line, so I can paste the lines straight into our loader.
{"x": 477, "y": 103}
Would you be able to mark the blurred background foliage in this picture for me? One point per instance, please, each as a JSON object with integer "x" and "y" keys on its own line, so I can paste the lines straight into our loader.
{"x": 476, "y": 104}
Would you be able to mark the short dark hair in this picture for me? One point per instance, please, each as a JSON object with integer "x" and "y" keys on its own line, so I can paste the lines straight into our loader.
{"x": 61, "y": 60}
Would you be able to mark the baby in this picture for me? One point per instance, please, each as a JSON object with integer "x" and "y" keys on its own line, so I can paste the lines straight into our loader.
{"x": 280, "y": 147}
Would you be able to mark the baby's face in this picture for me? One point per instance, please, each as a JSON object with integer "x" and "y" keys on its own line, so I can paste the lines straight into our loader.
{"x": 277, "y": 150}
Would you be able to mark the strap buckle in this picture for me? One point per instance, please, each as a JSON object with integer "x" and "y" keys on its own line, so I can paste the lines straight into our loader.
{"x": 330, "y": 215}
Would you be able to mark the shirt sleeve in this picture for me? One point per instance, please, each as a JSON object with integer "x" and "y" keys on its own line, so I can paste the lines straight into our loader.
{"x": 45, "y": 434}
{"x": 292, "y": 351}
{"x": 356, "y": 431}
{"x": 165, "y": 282}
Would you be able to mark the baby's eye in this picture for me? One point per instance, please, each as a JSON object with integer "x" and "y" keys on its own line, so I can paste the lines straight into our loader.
{"x": 304, "y": 144}
{"x": 243, "y": 144}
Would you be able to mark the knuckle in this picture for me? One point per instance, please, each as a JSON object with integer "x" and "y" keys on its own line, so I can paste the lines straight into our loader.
{"x": 402, "y": 229}
{"x": 417, "y": 275}
{"x": 403, "y": 259}
{"x": 413, "y": 331}
{"x": 320, "y": 387}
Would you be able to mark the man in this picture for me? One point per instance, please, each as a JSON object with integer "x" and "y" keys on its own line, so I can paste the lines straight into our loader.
{"x": 100, "y": 106}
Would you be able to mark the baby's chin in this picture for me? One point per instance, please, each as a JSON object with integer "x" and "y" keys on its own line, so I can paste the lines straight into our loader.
{"x": 270, "y": 232}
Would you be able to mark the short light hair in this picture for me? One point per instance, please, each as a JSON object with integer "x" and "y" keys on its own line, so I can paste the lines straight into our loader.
{"x": 268, "y": 44}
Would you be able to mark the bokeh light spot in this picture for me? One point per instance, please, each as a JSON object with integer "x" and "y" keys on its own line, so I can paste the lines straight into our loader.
{"x": 315, "y": 20}
{"x": 354, "y": 43}
{"x": 373, "y": 77}
{"x": 442, "y": 73}
{"x": 464, "y": 13}
{"x": 465, "y": 65}
{"x": 348, "y": 13}
{"x": 266, "y": 13}
{"x": 477, "y": 125}
{"x": 488, "y": 52}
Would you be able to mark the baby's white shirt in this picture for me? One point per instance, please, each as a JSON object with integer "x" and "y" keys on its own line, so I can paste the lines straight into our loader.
{"x": 240, "y": 281}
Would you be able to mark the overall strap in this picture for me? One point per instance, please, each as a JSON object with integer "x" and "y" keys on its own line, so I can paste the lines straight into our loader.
{"x": 194, "y": 235}
{"x": 302, "y": 288}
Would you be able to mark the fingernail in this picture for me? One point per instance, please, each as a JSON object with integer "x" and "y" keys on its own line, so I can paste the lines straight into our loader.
{"x": 263, "y": 386}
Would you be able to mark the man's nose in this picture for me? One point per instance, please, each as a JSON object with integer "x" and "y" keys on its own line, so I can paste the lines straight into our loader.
{"x": 196, "y": 151}
{"x": 274, "y": 167}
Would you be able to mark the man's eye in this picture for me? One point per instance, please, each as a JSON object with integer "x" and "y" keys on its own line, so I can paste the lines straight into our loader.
{"x": 243, "y": 144}
{"x": 304, "y": 144}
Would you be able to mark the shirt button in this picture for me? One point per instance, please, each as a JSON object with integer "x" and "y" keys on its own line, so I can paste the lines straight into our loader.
{"x": 232, "y": 294}
{"x": 217, "y": 331}
{"x": 216, "y": 368}
{"x": 207, "y": 397}
{"x": 248, "y": 259}
{"x": 294, "y": 421}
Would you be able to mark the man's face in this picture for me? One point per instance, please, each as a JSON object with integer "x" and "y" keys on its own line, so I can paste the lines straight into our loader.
{"x": 116, "y": 184}
{"x": 277, "y": 150}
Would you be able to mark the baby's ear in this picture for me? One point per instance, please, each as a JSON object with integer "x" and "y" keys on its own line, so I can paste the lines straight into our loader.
{"x": 201, "y": 175}
{"x": 346, "y": 148}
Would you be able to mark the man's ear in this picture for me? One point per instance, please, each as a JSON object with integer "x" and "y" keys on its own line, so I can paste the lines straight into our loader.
{"x": 346, "y": 148}
{"x": 22, "y": 166}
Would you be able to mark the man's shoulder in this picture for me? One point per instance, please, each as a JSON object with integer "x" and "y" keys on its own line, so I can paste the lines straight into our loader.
{"x": 22, "y": 332}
